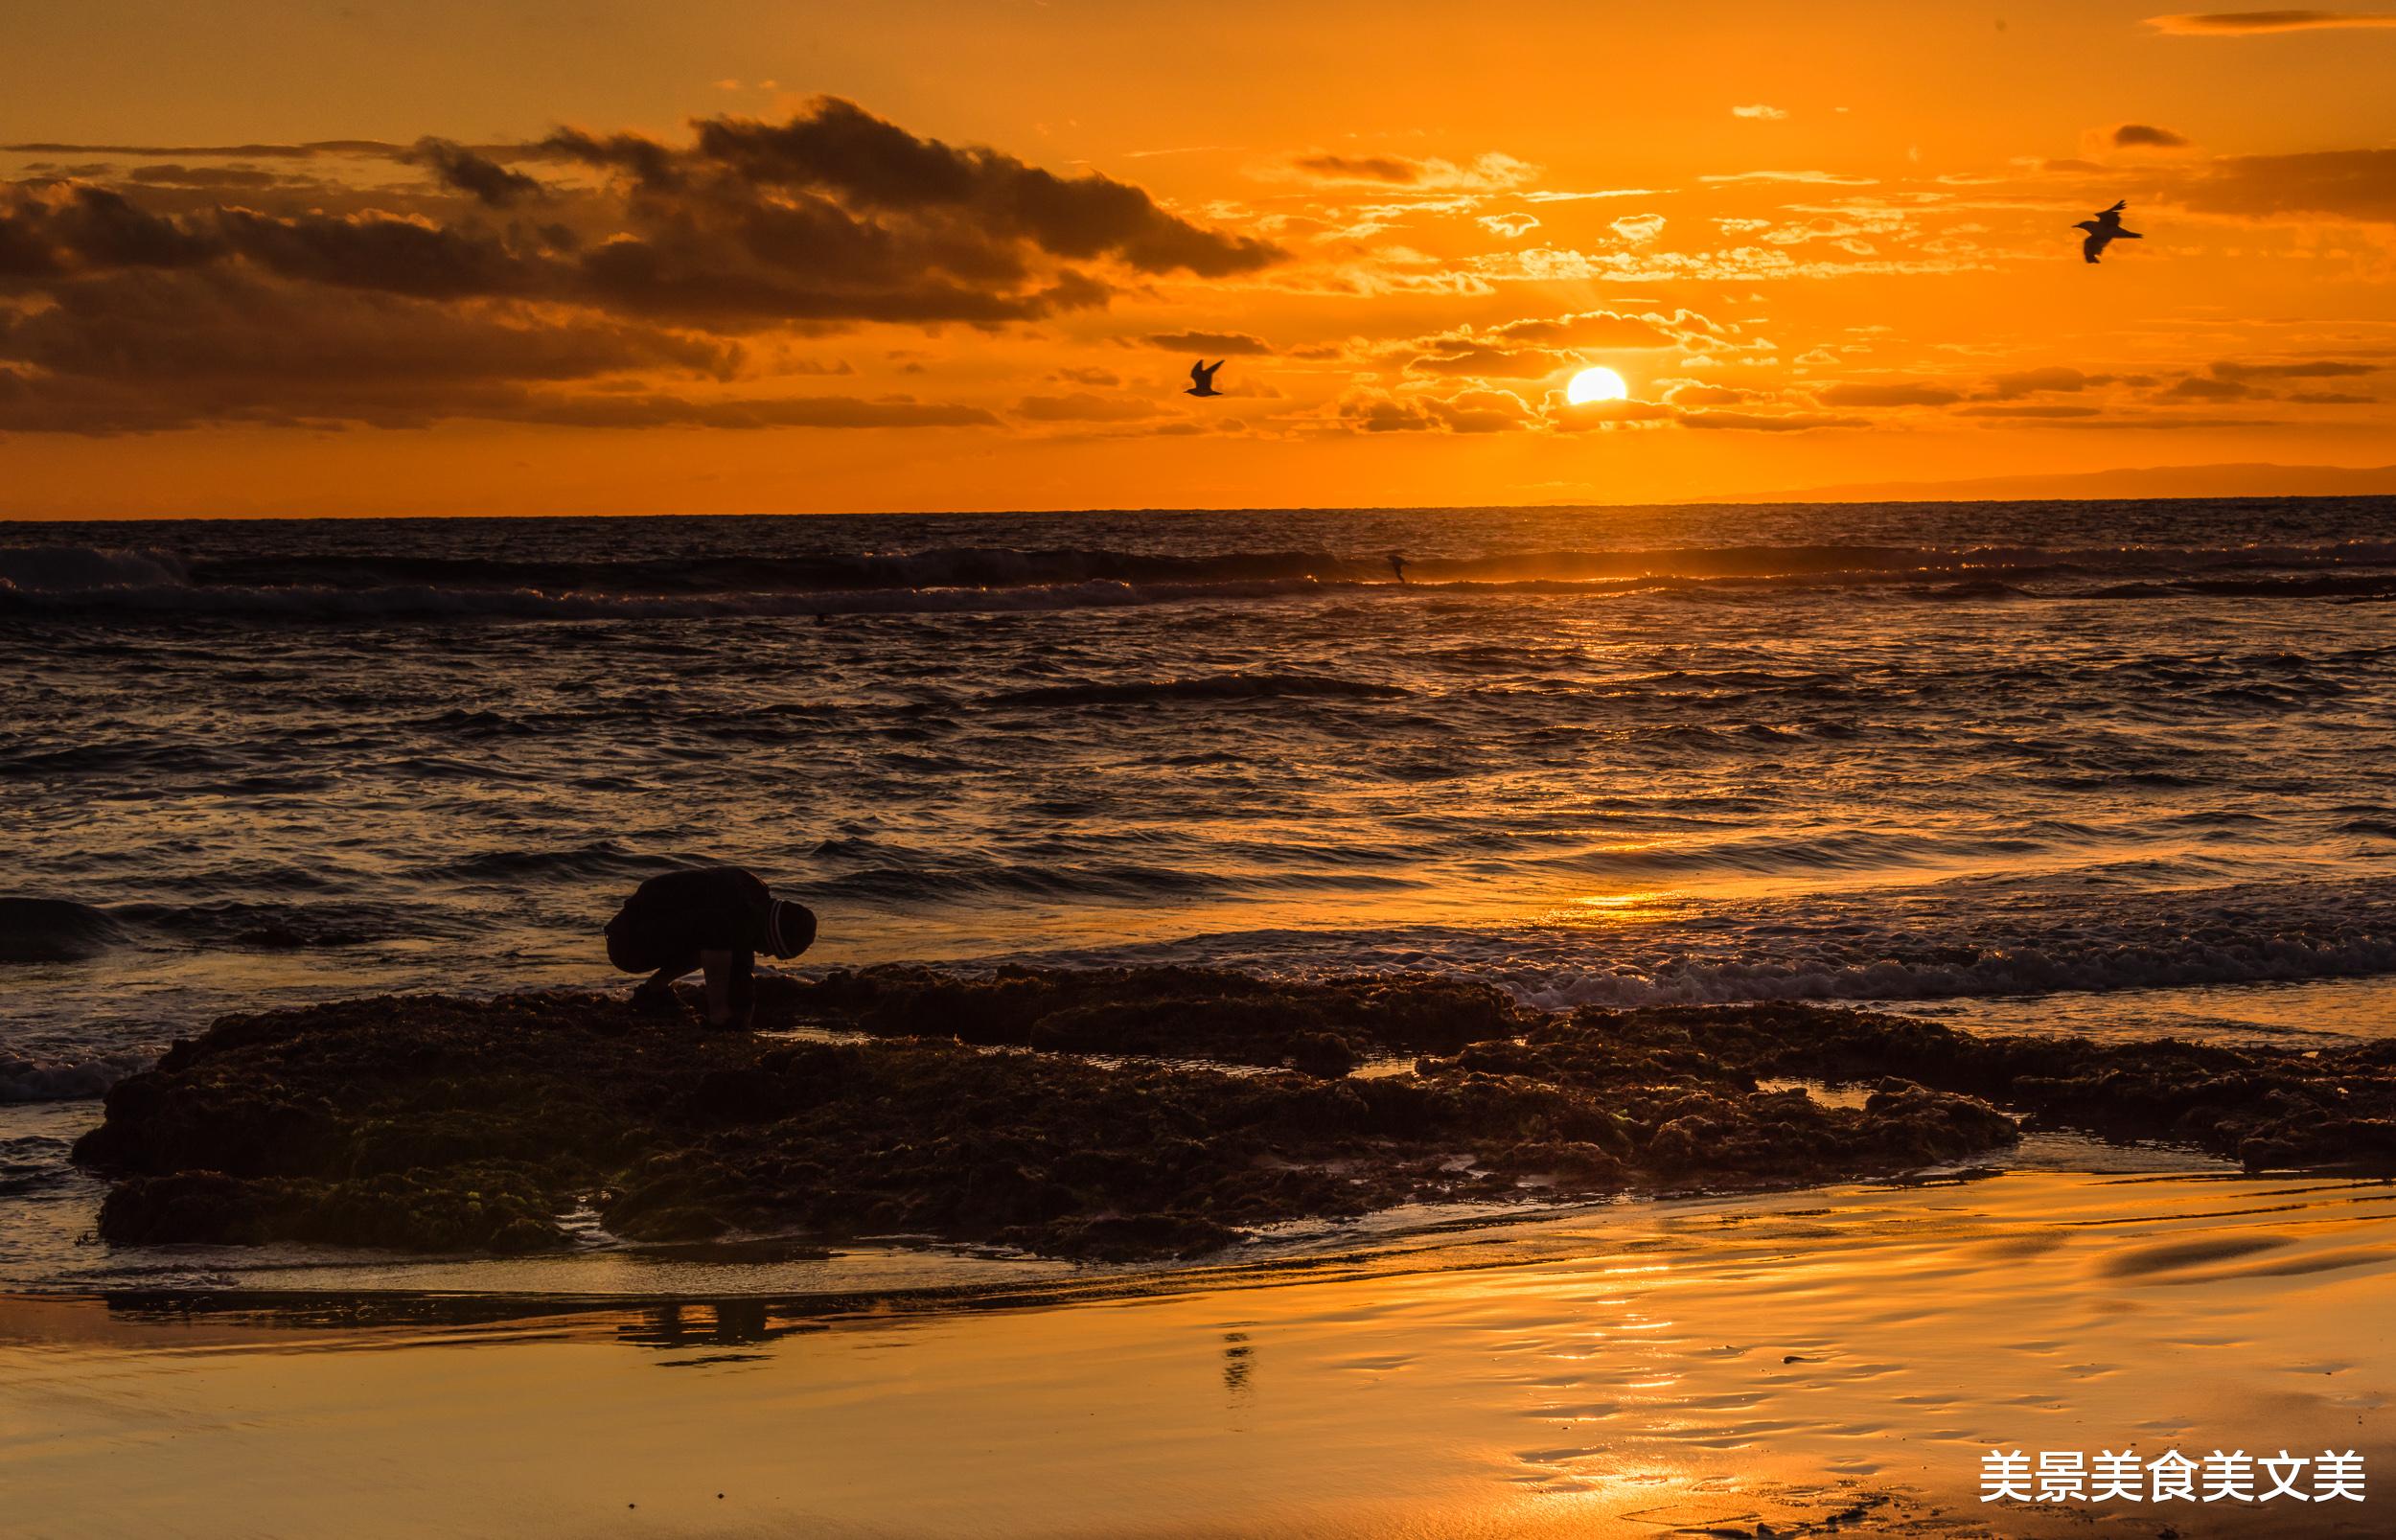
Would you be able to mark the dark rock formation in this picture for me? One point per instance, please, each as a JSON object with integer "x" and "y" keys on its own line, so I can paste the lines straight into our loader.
{"x": 1190, "y": 1013}
{"x": 2268, "y": 1109}
{"x": 1128, "y": 1114}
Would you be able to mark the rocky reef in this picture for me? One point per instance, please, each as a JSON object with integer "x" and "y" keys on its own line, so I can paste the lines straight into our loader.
{"x": 1110, "y": 1114}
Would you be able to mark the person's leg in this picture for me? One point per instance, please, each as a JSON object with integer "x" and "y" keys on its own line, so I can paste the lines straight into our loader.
{"x": 635, "y": 946}
{"x": 661, "y": 981}
{"x": 731, "y": 990}
{"x": 657, "y": 991}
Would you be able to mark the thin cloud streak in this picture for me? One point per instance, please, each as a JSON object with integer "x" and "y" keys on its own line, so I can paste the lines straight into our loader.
{"x": 2249, "y": 23}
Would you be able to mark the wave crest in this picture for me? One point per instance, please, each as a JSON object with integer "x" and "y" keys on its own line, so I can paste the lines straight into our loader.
{"x": 53, "y": 929}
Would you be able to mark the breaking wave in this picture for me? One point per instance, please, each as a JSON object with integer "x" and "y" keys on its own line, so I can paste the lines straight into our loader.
{"x": 53, "y": 929}
{"x": 1972, "y": 939}
{"x": 24, "y": 1080}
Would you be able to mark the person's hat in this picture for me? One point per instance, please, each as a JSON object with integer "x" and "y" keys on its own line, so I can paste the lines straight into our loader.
{"x": 789, "y": 927}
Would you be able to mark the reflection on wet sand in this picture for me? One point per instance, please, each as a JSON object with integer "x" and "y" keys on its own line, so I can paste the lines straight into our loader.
{"x": 1837, "y": 1359}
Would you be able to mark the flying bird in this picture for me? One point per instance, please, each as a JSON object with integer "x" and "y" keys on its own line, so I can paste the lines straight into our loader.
{"x": 2103, "y": 230}
{"x": 1202, "y": 378}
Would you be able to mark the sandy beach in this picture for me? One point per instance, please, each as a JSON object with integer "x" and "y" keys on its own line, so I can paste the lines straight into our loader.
{"x": 1734, "y": 1366}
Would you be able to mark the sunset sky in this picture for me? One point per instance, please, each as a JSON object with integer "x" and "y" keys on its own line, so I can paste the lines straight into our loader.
{"x": 271, "y": 257}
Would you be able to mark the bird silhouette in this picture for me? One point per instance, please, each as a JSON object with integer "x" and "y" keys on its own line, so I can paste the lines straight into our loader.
{"x": 2103, "y": 230}
{"x": 1202, "y": 378}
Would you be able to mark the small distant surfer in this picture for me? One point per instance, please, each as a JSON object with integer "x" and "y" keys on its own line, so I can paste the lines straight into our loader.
{"x": 1397, "y": 566}
{"x": 712, "y": 918}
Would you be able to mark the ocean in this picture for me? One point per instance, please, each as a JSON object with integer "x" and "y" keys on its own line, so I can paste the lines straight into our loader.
{"x": 2105, "y": 768}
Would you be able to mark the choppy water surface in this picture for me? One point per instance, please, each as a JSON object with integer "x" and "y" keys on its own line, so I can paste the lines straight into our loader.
{"x": 2097, "y": 766}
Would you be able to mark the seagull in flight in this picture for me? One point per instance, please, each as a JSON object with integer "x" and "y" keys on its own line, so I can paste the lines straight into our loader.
{"x": 2103, "y": 230}
{"x": 1202, "y": 378}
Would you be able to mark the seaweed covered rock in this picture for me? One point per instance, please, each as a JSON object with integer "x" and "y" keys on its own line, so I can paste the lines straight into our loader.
{"x": 1325, "y": 1028}
{"x": 2269, "y": 1108}
{"x": 1077, "y": 1114}
{"x": 485, "y": 1208}
{"x": 1116, "y": 1113}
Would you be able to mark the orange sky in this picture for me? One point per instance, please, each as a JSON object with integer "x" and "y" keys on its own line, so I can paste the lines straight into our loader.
{"x": 275, "y": 258}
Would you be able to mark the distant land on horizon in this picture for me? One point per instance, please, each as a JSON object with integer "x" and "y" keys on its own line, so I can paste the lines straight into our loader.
{"x": 2232, "y": 480}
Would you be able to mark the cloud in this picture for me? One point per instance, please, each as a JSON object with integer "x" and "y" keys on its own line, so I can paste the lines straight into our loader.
{"x": 1618, "y": 329}
{"x": 371, "y": 148}
{"x": 1547, "y": 195}
{"x": 1221, "y": 344}
{"x": 160, "y": 301}
{"x": 1759, "y": 109}
{"x": 839, "y": 151}
{"x": 1533, "y": 348}
{"x": 2197, "y": 387}
{"x": 813, "y": 366}
{"x": 1395, "y": 170}
{"x": 144, "y": 350}
{"x": 1471, "y": 412}
{"x": 1842, "y": 229}
{"x": 213, "y": 178}
{"x": 479, "y": 176}
{"x": 1822, "y": 178}
{"x": 1495, "y": 411}
{"x": 808, "y": 411}
{"x": 1488, "y": 173}
{"x": 1753, "y": 422}
{"x": 1511, "y": 226}
{"x": 2142, "y": 136}
{"x": 1553, "y": 265}
{"x": 69, "y": 228}
{"x": 1082, "y": 407}
{"x": 2247, "y": 23}
{"x": 2160, "y": 420}
{"x": 1638, "y": 228}
{"x": 2348, "y": 184}
{"x": 165, "y": 327}
{"x": 831, "y": 216}
{"x": 1561, "y": 414}
{"x": 2044, "y": 410}
{"x": 1470, "y": 358}
{"x": 381, "y": 251}
{"x": 1698, "y": 393}
{"x": 1900, "y": 393}
{"x": 2059, "y": 378}
{"x": 2297, "y": 369}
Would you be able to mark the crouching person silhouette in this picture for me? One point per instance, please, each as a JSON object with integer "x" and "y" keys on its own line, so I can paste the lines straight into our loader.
{"x": 714, "y": 918}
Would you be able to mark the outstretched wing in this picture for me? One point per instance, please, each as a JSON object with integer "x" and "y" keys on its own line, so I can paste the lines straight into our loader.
{"x": 2118, "y": 207}
{"x": 2089, "y": 247}
{"x": 1198, "y": 372}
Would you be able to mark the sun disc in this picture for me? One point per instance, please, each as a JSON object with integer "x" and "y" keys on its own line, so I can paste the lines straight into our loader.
{"x": 1599, "y": 383}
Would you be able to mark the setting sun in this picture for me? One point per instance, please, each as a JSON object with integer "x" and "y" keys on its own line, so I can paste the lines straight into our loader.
{"x": 1599, "y": 383}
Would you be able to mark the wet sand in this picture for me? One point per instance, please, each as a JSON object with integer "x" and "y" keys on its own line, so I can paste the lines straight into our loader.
{"x": 1696, "y": 1366}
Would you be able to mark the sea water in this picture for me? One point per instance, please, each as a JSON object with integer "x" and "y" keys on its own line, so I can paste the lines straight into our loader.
{"x": 2110, "y": 768}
